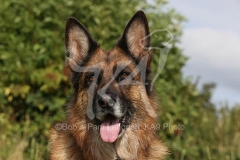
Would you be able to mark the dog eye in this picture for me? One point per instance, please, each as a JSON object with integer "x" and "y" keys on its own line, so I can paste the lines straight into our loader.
{"x": 123, "y": 75}
{"x": 90, "y": 78}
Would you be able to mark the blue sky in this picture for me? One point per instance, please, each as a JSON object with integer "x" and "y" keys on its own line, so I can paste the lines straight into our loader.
{"x": 211, "y": 39}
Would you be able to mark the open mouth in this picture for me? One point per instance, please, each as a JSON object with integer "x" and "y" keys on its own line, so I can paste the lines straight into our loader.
{"x": 112, "y": 127}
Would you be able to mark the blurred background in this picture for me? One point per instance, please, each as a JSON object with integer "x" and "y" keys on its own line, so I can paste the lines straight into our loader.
{"x": 198, "y": 87}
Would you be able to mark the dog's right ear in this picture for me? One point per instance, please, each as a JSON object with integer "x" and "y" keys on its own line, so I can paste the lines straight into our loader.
{"x": 135, "y": 39}
{"x": 78, "y": 43}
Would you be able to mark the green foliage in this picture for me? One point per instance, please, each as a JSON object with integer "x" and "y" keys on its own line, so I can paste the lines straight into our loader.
{"x": 34, "y": 88}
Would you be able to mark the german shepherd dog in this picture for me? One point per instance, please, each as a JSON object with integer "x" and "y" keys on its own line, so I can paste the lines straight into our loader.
{"x": 113, "y": 111}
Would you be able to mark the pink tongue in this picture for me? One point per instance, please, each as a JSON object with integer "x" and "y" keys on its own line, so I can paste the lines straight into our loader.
{"x": 109, "y": 130}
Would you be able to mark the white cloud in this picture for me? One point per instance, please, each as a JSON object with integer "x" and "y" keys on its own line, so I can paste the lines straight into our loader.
{"x": 219, "y": 48}
{"x": 222, "y": 14}
{"x": 212, "y": 41}
{"x": 215, "y": 56}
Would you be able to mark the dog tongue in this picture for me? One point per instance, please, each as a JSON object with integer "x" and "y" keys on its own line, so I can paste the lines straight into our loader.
{"x": 109, "y": 130}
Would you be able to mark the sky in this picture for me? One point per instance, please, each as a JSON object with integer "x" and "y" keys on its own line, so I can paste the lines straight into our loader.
{"x": 211, "y": 40}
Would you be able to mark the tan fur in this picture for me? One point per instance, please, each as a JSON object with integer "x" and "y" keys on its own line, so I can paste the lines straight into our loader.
{"x": 81, "y": 142}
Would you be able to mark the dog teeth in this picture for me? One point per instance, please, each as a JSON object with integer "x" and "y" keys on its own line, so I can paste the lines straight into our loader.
{"x": 119, "y": 124}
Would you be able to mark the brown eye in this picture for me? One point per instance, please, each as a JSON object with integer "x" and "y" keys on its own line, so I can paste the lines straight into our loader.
{"x": 123, "y": 75}
{"x": 90, "y": 78}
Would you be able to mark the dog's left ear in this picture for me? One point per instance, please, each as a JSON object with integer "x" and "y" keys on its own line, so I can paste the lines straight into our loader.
{"x": 135, "y": 38}
{"x": 78, "y": 42}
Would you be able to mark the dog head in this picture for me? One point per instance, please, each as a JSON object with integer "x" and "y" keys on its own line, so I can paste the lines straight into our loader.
{"x": 112, "y": 87}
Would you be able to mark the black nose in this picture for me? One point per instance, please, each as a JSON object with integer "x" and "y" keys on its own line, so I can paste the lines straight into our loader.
{"x": 106, "y": 101}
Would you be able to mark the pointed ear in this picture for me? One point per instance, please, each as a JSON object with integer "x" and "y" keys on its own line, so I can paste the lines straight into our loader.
{"x": 135, "y": 38}
{"x": 78, "y": 42}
